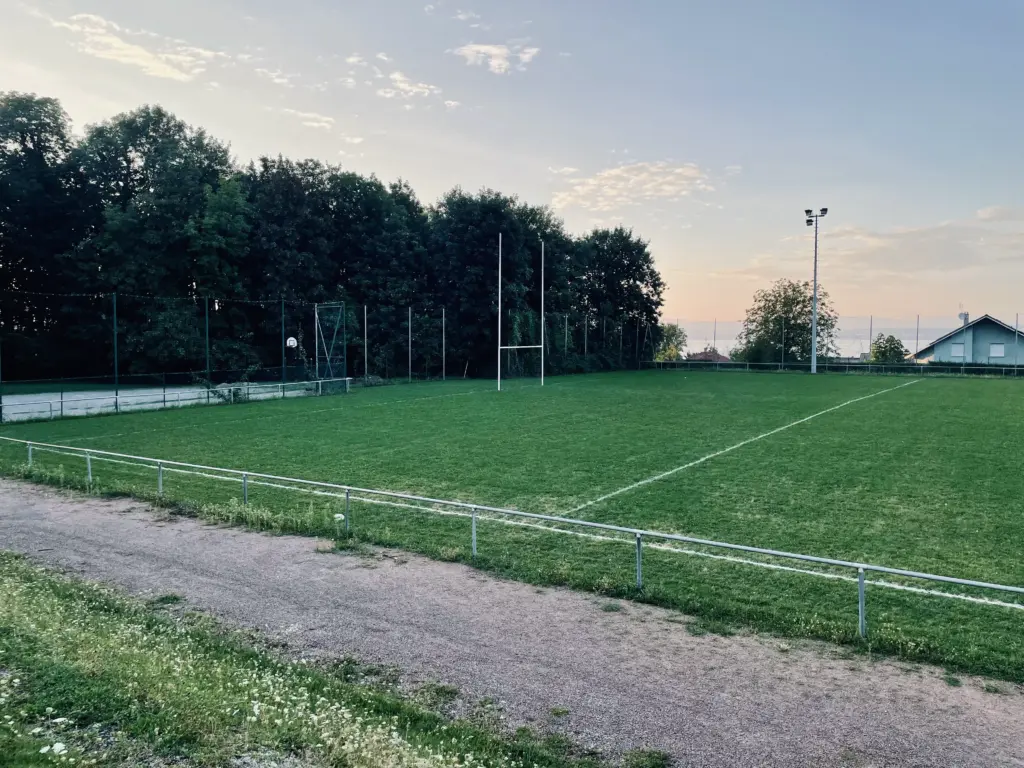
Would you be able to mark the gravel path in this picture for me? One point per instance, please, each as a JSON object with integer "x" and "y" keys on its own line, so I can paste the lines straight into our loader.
{"x": 629, "y": 679}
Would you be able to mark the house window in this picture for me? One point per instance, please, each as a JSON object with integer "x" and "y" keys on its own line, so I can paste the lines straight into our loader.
{"x": 958, "y": 350}
{"x": 996, "y": 350}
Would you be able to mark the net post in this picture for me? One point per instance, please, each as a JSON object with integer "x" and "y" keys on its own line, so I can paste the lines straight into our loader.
{"x": 284, "y": 344}
{"x": 499, "y": 311}
{"x": 542, "y": 321}
{"x": 316, "y": 338}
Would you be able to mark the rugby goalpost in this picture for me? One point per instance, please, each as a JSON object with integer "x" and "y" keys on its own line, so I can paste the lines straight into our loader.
{"x": 540, "y": 346}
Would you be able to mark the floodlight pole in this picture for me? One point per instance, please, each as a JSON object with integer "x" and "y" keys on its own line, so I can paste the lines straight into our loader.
{"x": 812, "y": 219}
{"x": 499, "y": 311}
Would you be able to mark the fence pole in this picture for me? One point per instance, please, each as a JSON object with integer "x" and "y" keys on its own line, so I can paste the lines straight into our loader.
{"x": 348, "y": 506}
{"x": 284, "y": 358}
{"x": 783, "y": 366}
{"x": 917, "y": 338}
{"x": 871, "y": 337}
{"x": 30, "y": 454}
{"x": 474, "y": 533}
{"x": 316, "y": 338}
{"x": 209, "y": 372}
{"x": 160, "y": 479}
{"x": 1, "y": 379}
{"x": 245, "y": 489}
{"x": 542, "y": 321}
{"x": 344, "y": 339}
{"x": 565, "y": 345}
{"x": 117, "y": 406}
{"x": 410, "y": 343}
{"x": 366, "y": 348}
{"x": 639, "y": 562}
{"x": 88, "y": 469}
{"x": 620, "y": 344}
{"x": 1016, "y": 345}
{"x": 862, "y": 623}
{"x": 444, "y": 346}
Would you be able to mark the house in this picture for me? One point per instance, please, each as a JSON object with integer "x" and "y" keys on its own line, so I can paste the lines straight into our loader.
{"x": 708, "y": 356}
{"x": 985, "y": 341}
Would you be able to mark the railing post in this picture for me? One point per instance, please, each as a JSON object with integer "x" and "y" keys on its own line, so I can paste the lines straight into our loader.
{"x": 348, "y": 506}
{"x": 474, "y": 533}
{"x": 245, "y": 489}
{"x": 639, "y": 562}
{"x": 88, "y": 468}
{"x": 861, "y": 608}
{"x": 160, "y": 479}
{"x": 30, "y": 454}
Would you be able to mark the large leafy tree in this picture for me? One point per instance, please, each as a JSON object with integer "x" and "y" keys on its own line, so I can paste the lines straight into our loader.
{"x": 888, "y": 349}
{"x": 777, "y": 327}
{"x": 45, "y": 208}
{"x": 671, "y": 343}
{"x": 151, "y": 209}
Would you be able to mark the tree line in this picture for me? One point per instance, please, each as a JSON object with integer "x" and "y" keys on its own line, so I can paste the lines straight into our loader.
{"x": 156, "y": 211}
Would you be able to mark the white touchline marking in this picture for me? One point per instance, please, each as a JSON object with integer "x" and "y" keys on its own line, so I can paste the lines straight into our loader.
{"x": 731, "y": 448}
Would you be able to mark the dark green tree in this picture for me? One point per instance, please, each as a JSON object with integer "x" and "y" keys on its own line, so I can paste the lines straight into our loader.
{"x": 777, "y": 327}
{"x": 888, "y": 349}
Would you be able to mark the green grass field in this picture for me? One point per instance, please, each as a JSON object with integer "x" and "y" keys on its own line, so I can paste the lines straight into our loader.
{"x": 923, "y": 475}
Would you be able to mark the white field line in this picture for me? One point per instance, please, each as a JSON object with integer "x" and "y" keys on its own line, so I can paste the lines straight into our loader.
{"x": 228, "y": 422}
{"x": 731, "y": 448}
{"x": 591, "y": 536}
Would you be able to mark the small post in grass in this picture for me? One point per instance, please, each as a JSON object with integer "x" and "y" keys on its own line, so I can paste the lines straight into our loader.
{"x": 861, "y": 608}
{"x": 639, "y": 562}
{"x": 348, "y": 506}
{"x": 245, "y": 489}
{"x": 474, "y": 533}
{"x": 160, "y": 479}
{"x": 30, "y": 455}
{"x": 88, "y": 468}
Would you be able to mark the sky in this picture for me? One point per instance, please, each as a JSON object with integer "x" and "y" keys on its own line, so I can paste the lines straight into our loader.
{"x": 706, "y": 127}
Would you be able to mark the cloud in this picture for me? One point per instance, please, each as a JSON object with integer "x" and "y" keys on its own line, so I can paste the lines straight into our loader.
{"x": 903, "y": 258}
{"x": 563, "y": 171}
{"x": 383, "y": 57}
{"x": 498, "y": 57}
{"x": 630, "y": 185}
{"x": 1001, "y": 213}
{"x": 404, "y": 88}
{"x": 312, "y": 119}
{"x": 152, "y": 54}
{"x": 452, "y": 104}
{"x": 429, "y": 9}
{"x": 466, "y": 15}
{"x": 352, "y": 139}
{"x": 733, "y": 170}
{"x": 347, "y": 82}
{"x": 276, "y": 76}
{"x": 356, "y": 60}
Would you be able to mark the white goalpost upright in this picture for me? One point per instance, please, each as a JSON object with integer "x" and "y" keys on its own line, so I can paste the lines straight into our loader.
{"x": 542, "y": 319}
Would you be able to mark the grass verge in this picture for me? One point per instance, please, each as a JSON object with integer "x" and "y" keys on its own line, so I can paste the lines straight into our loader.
{"x": 89, "y": 676}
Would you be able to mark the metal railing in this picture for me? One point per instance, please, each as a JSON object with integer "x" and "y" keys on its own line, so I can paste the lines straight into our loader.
{"x": 157, "y": 399}
{"x": 475, "y": 511}
{"x": 911, "y": 369}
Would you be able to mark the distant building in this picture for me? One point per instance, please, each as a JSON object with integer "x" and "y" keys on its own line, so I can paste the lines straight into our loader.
{"x": 708, "y": 356}
{"x": 985, "y": 341}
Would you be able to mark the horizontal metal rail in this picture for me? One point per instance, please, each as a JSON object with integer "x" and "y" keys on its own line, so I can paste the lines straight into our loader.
{"x": 89, "y": 454}
{"x": 534, "y": 346}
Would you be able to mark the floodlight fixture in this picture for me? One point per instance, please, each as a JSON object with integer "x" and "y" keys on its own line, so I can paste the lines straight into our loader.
{"x": 824, "y": 211}
{"x": 809, "y": 212}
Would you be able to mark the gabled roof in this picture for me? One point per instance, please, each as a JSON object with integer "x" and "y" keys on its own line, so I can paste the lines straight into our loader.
{"x": 962, "y": 328}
